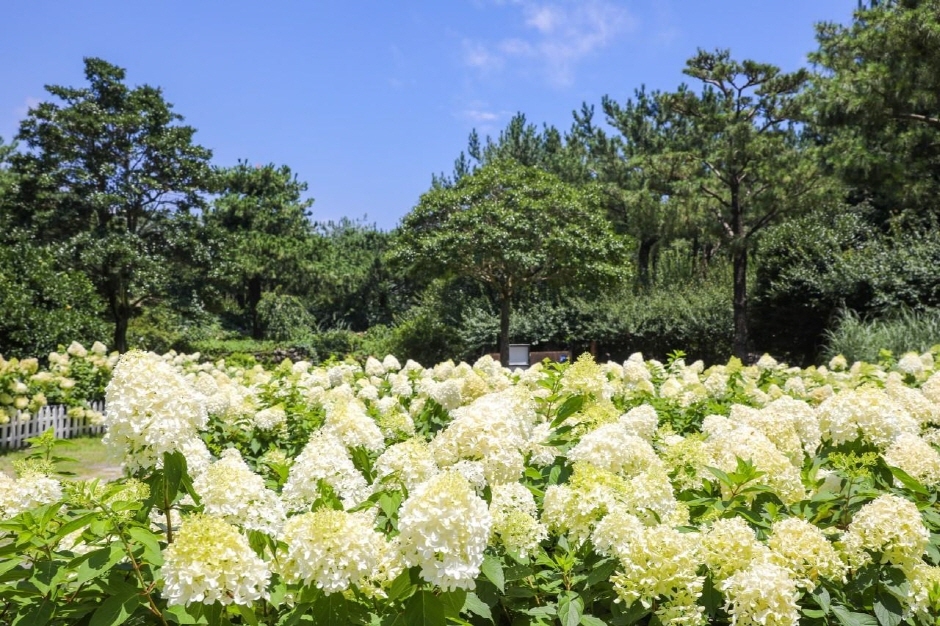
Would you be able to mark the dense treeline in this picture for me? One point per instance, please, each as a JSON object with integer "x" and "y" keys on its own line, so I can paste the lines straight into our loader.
{"x": 751, "y": 210}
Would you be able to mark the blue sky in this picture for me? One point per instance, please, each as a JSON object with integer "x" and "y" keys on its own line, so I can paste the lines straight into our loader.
{"x": 364, "y": 100}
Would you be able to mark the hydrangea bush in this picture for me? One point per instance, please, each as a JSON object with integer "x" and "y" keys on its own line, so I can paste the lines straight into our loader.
{"x": 577, "y": 494}
{"x": 75, "y": 376}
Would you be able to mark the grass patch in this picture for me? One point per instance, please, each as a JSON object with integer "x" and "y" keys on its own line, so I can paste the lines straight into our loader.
{"x": 859, "y": 339}
{"x": 90, "y": 459}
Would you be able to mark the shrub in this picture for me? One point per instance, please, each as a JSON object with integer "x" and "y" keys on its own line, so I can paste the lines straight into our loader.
{"x": 860, "y": 339}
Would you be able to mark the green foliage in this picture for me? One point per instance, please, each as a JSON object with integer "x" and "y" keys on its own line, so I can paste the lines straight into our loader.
{"x": 284, "y": 317}
{"x": 865, "y": 339}
{"x": 353, "y": 286}
{"x": 43, "y": 304}
{"x": 811, "y": 269}
{"x": 876, "y": 104}
{"x": 510, "y": 227}
{"x": 695, "y": 316}
{"x": 162, "y": 328}
{"x": 258, "y": 226}
{"x": 107, "y": 172}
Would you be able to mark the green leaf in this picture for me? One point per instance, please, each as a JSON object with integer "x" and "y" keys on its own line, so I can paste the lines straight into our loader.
{"x": 721, "y": 476}
{"x": 570, "y": 609}
{"x": 152, "y": 552}
{"x": 711, "y": 597}
{"x": 850, "y": 618}
{"x": 40, "y": 613}
{"x": 493, "y": 570}
{"x": 821, "y": 595}
{"x": 601, "y": 572}
{"x": 888, "y": 610}
{"x": 401, "y": 587}
{"x": 331, "y": 610}
{"x": 568, "y": 408}
{"x": 477, "y": 606}
{"x": 424, "y": 609}
{"x": 116, "y": 609}
{"x": 183, "y": 615}
{"x": 590, "y": 620}
{"x": 96, "y": 563}
{"x": 909, "y": 481}
{"x": 174, "y": 466}
{"x": 73, "y": 525}
{"x": 453, "y": 601}
{"x": 213, "y": 613}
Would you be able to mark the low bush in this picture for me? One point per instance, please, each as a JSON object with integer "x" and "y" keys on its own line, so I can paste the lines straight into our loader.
{"x": 871, "y": 339}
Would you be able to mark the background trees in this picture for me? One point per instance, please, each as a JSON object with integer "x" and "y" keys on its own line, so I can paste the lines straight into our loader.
{"x": 510, "y": 226}
{"x": 106, "y": 174}
{"x": 808, "y": 197}
{"x": 261, "y": 236}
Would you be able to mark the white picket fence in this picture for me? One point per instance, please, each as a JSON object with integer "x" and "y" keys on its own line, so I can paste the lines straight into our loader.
{"x": 13, "y": 434}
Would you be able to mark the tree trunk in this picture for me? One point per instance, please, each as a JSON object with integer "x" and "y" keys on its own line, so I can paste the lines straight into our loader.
{"x": 122, "y": 317}
{"x": 643, "y": 260}
{"x": 254, "y": 297}
{"x": 741, "y": 341}
{"x": 505, "y": 309}
{"x": 740, "y": 344}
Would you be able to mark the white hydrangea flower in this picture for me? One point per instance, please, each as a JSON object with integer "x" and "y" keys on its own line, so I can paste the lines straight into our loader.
{"x": 331, "y": 549}
{"x": 611, "y": 448}
{"x": 210, "y": 561}
{"x": 591, "y": 493}
{"x": 540, "y": 455}
{"x": 866, "y": 413}
{"x": 889, "y": 526}
{"x": 390, "y": 363}
{"x": 728, "y": 441}
{"x": 493, "y": 429}
{"x": 444, "y": 527}
{"x": 324, "y": 458}
{"x": 231, "y": 491}
{"x": 924, "y": 596}
{"x": 374, "y": 367}
{"x": 913, "y": 400}
{"x": 270, "y": 418}
{"x": 346, "y": 416}
{"x": 730, "y": 546}
{"x": 911, "y": 364}
{"x": 408, "y": 464}
{"x": 764, "y": 594}
{"x": 915, "y": 456}
{"x": 151, "y": 409}
{"x": 515, "y": 519}
{"x": 766, "y": 362}
{"x": 660, "y": 565}
{"x": 32, "y": 489}
{"x": 401, "y": 385}
{"x": 838, "y": 363}
{"x": 641, "y": 421}
{"x": 446, "y": 393}
{"x": 931, "y": 388}
{"x": 585, "y": 376}
{"x": 670, "y": 388}
{"x": 805, "y": 552}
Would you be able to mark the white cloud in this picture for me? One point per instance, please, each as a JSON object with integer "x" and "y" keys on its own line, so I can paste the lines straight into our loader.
{"x": 477, "y": 55}
{"x": 563, "y": 32}
{"x": 479, "y": 117}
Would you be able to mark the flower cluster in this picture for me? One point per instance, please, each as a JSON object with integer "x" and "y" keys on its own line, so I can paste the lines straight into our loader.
{"x": 444, "y": 529}
{"x": 151, "y": 409}
{"x": 210, "y": 561}
{"x": 331, "y": 549}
